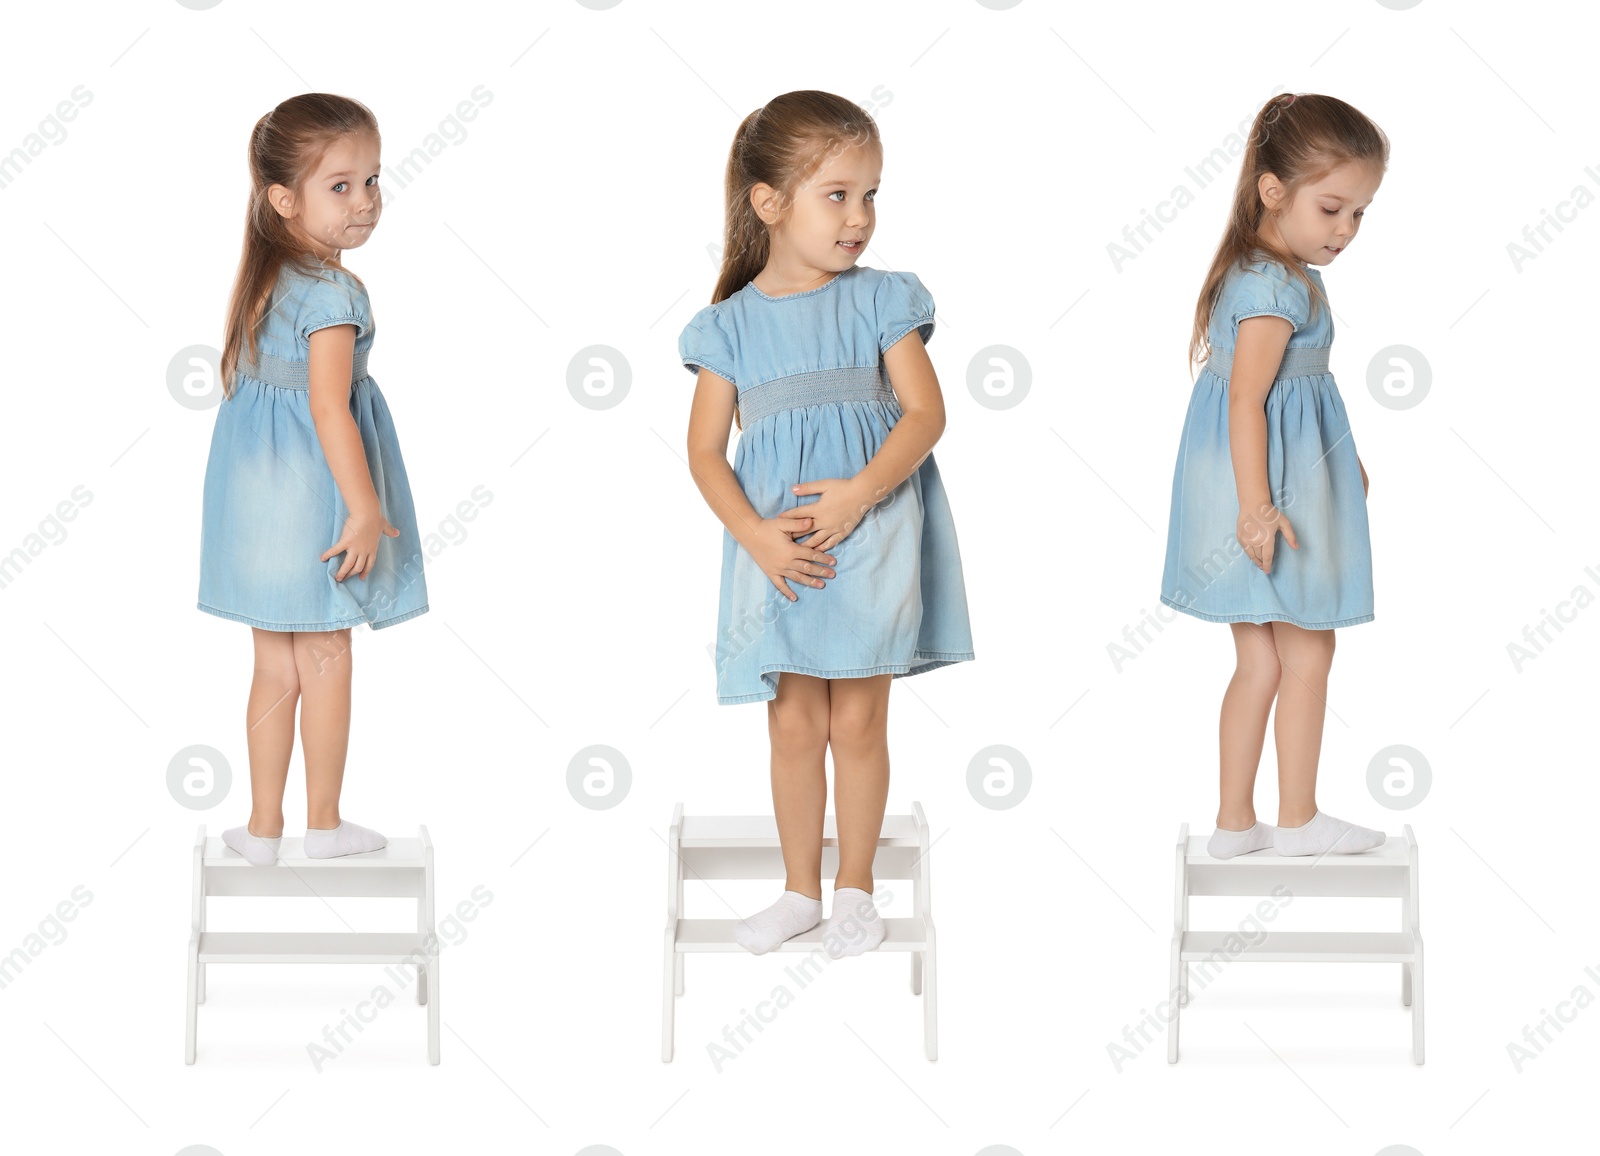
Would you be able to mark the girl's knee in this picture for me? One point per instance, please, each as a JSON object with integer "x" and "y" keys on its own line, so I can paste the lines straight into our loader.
{"x": 318, "y": 651}
{"x": 1308, "y": 649}
{"x": 1262, "y": 671}
{"x": 275, "y": 663}
{"x": 1256, "y": 657}
{"x": 798, "y": 725}
{"x": 861, "y": 720}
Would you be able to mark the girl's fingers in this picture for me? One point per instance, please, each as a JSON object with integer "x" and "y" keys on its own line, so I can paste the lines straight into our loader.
{"x": 783, "y": 587}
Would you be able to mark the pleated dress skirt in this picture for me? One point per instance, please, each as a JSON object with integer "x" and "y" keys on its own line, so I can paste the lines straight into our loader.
{"x": 898, "y": 605}
{"x": 1315, "y": 479}
{"x": 272, "y": 509}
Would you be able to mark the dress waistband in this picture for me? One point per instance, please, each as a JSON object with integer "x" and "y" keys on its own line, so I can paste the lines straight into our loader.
{"x": 1297, "y": 362}
{"x": 852, "y": 384}
{"x": 295, "y": 374}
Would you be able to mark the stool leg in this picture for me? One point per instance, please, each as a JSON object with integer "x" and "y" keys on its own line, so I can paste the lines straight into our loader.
{"x": 1179, "y": 985}
{"x": 202, "y": 994}
{"x": 422, "y": 970}
{"x": 916, "y": 973}
{"x": 930, "y": 1006}
{"x": 677, "y": 973}
{"x": 192, "y": 1007}
{"x": 1416, "y": 1006}
{"x": 431, "y": 972}
{"x": 668, "y": 994}
{"x": 1405, "y": 968}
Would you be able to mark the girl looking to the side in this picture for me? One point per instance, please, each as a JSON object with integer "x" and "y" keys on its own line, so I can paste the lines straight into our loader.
{"x": 840, "y": 569}
{"x": 308, "y": 526}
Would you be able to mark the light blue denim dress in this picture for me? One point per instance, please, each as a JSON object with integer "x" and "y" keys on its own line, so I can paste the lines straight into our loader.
{"x": 272, "y": 507}
{"x": 815, "y": 402}
{"x": 1312, "y": 473}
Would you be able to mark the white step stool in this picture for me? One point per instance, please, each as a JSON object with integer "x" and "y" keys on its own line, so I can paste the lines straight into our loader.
{"x": 747, "y": 847}
{"x": 1387, "y": 871}
{"x": 403, "y": 869}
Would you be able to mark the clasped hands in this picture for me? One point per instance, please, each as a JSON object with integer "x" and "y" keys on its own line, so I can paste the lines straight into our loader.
{"x": 776, "y": 543}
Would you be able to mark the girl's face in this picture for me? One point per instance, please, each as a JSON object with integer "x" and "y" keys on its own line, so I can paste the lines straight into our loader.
{"x": 341, "y": 201}
{"x": 830, "y": 220}
{"x": 1325, "y": 214}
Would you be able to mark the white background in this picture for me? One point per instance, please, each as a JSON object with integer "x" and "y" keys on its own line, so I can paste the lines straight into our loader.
{"x": 578, "y": 607}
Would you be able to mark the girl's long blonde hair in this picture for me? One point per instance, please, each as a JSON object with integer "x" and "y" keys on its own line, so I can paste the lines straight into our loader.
{"x": 783, "y": 144}
{"x": 1299, "y": 138}
{"x": 286, "y": 145}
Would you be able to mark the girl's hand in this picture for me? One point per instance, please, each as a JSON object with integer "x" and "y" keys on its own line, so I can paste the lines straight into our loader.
{"x": 1258, "y": 533}
{"x": 840, "y": 509}
{"x": 359, "y": 542}
{"x": 780, "y": 557}
{"x": 1363, "y": 470}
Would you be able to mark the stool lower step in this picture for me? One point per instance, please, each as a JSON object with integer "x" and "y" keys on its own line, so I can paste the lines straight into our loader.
{"x": 312, "y": 947}
{"x": 1304, "y": 946}
{"x": 910, "y": 934}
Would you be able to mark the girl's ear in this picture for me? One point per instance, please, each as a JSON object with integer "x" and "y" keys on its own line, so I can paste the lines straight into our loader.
{"x": 282, "y": 200}
{"x": 1271, "y": 190}
{"x": 766, "y": 202}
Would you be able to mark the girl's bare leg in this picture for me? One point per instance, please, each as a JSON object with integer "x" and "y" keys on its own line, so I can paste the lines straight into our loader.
{"x": 858, "y": 734}
{"x": 269, "y": 728}
{"x": 1243, "y": 727}
{"x": 323, "y": 660}
{"x": 1307, "y": 656}
{"x": 797, "y": 723}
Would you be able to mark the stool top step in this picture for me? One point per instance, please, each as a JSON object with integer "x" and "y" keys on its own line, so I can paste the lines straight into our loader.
{"x": 762, "y": 831}
{"x": 1392, "y": 852}
{"x": 716, "y": 935}
{"x": 291, "y": 853}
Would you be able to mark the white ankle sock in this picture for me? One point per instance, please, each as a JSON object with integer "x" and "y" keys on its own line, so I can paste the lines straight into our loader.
{"x": 346, "y": 839}
{"x": 260, "y": 852}
{"x": 1323, "y": 835}
{"x": 1225, "y": 844}
{"x": 788, "y": 917}
{"x": 853, "y": 925}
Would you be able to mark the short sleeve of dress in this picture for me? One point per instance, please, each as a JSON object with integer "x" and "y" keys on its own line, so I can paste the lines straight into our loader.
{"x": 707, "y": 343}
{"x": 903, "y": 304}
{"x": 332, "y": 299}
{"x": 1265, "y": 289}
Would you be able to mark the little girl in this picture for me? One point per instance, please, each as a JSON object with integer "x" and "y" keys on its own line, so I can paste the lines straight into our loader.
{"x": 820, "y": 610}
{"x": 1267, "y": 448}
{"x": 305, "y": 478}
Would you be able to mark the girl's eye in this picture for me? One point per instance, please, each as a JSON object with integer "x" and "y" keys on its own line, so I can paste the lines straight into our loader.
{"x": 373, "y": 179}
{"x": 872, "y": 194}
{"x": 836, "y": 193}
{"x": 340, "y": 186}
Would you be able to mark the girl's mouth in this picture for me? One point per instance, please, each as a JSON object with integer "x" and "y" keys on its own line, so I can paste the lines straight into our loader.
{"x": 850, "y": 246}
